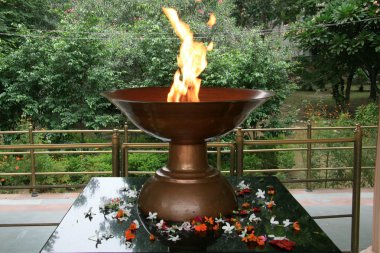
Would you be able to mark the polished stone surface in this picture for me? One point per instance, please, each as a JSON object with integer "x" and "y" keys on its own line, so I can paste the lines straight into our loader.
{"x": 76, "y": 233}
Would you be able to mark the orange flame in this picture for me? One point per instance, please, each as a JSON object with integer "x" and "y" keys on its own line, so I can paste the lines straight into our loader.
{"x": 191, "y": 60}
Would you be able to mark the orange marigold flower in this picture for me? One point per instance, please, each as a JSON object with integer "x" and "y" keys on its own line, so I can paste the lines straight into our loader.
{"x": 209, "y": 220}
{"x": 249, "y": 229}
{"x": 129, "y": 235}
{"x": 261, "y": 240}
{"x": 252, "y": 237}
{"x": 17, "y": 158}
{"x": 151, "y": 237}
{"x": 244, "y": 239}
{"x": 17, "y": 167}
{"x": 133, "y": 226}
{"x": 2, "y": 180}
{"x": 215, "y": 227}
{"x": 296, "y": 226}
{"x": 245, "y": 205}
{"x": 200, "y": 228}
{"x": 119, "y": 214}
{"x": 238, "y": 225}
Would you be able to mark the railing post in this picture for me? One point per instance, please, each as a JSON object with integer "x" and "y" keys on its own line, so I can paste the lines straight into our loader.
{"x": 239, "y": 152}
{"x": 218, "y": 156}
{"x": 232, "y": 159}
{"x": 115, "y": 153}
{"x": 125, "y": 151}
{"x": 356, "y": 181}
{"x": 32, "y": 162}
{"x": 308, "y": 158}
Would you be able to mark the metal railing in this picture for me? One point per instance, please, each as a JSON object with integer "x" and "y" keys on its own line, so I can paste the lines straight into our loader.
{"x": 236, "y": 148}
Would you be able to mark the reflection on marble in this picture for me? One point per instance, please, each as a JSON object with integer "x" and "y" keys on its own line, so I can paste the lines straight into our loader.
{"x": 86, "y": 228}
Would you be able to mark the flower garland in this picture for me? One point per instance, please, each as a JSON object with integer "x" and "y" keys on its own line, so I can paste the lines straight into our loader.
{"x": 240, "y": 225}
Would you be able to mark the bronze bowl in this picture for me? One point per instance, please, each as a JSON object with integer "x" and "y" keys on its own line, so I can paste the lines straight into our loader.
{"x": 187, "y": 187}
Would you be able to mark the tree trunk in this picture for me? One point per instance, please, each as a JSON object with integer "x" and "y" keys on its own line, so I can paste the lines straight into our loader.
{"x": 347, "y": 95}
{"x": 373, "y": 71}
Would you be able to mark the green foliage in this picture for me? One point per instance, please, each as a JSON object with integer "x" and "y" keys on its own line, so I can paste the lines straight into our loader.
{"x": 55, "y": 78}
{"x": 343, "y": 37}
{"x": 57, "y": 81}
{"x": 338, "y": 158}
{"x": 146, "y": 161}
{"x": 271, "y": 13}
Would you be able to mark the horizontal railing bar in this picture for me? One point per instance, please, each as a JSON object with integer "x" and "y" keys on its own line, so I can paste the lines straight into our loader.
{"x": 73, "y": 173}
{"x": 74, "y": 152}
{"x": 332, "y": 216}
{"x": 75, "y": 131}
{"x": 298, "y": 141}
{"x": 272, "y": 150}
{"x": 14, "y": 132}
{"x": 274, "y": 129}
{"x": 14, "y": 153}
{"x": 275, "y": 170}
{"x": 15, "y": 173}
{"x": 57, "y": 146}
{"x": 41, "y": 186}
{"x": 316, "y": 180}
{"x": 29, "y": 224}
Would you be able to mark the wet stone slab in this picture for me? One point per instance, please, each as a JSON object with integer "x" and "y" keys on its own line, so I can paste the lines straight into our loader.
{"x": 93, "y": 223}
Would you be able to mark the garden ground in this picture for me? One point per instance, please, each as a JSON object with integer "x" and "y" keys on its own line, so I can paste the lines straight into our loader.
{"x": 50, "y": 208}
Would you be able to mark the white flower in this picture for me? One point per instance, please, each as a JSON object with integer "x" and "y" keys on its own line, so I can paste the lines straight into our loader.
{"x": 252, "y": 217}
{"x": 242, "y": 185}
{"x": 128, "y": 205}
{"x": 273, "y": 237}
{"x": 127, "y": 212}
{"x": 257, "y": 219}
{"x": 244, "y": 233}
{"x": 273, "y": 221}
{"x": 286, "y": 222}
{"x": 219, "y": 220}
{"x": 260, "y": 194}
{"x": 131, "y": 194}
{"x": 228, "y": 228}
{"x": 160, "y": 224}
{"x": 171, "y": 229}
{"x": 270, "y": 204}
{"x": 185, "y": 226}
{"x": 136, "y": 223}
{"x": 174, "y": 238}
{"x": 152, "y": 216}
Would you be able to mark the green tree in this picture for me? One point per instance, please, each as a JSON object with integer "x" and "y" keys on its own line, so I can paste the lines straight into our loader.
{"x": 343, "y": 37}
{"x": 56, "y": 80}
{"x": 270, "y": 13}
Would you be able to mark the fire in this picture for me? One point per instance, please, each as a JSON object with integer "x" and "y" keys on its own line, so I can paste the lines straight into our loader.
{"x": 191, "y": 60}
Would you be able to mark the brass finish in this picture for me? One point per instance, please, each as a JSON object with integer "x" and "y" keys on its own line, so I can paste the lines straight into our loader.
{"x": 188, "y": 186}
{"x": 356, "y": 191}
{"x": 115, "y": 153}
{"x": 308, "y": 155}
{"x": 239, "y": 152}
{"x": 32, "y": 162}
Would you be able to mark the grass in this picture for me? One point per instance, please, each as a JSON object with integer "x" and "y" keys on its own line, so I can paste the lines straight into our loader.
{"x": 300, "y": 101}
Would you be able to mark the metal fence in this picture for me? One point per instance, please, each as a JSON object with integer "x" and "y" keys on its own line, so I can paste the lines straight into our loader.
{"x": 121, "y": 148}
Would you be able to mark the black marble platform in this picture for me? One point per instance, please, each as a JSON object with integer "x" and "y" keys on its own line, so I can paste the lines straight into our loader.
{"x": 77, "y": 230}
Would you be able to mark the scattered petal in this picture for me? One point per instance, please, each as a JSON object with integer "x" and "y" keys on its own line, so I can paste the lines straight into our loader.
{"x": 286, "y": 223}
{"x": 174, "y": 238}
{"x": 273, "y": 221}
{"x": 283, "y": 244}
{"x": 296, "y": 226}
{"x": 260, "y": 194}
{"x": 152, "y": 216}
{"x": 228, "y": 228}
